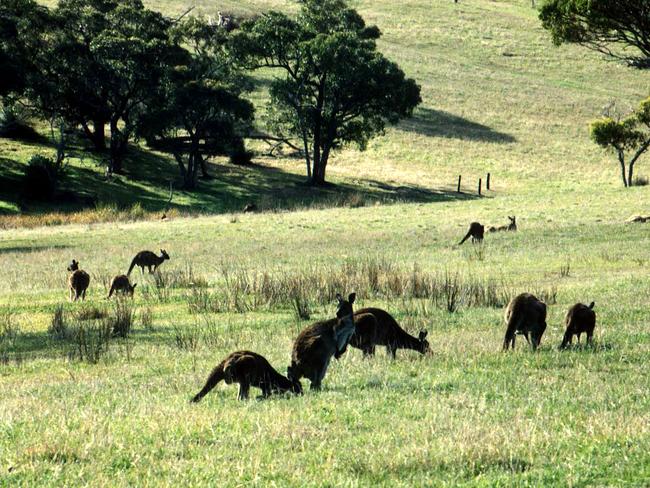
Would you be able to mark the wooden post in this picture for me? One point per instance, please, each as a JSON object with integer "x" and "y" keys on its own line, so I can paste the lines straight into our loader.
{"x": 487, "y": 182}
{"x": 479, "y": 187}
{"x": 459, "y": 177}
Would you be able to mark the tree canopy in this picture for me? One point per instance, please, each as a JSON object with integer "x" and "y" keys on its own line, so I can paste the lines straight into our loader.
{"x": 619, "y": 29}
{"x": 336, "y": 88}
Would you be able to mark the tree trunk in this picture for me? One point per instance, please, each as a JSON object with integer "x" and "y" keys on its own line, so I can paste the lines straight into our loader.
{"x": 204, "y": 168}
{"x": 637, "y": 155}
{"x": 115, "y": 149}
{"x": 99, "y": 135}
{"x": 621, "y": 159}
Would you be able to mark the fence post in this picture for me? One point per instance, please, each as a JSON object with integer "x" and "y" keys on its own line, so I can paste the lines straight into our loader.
{"x": 487, "y": 182}
{"x": 458, "y": 189}
{"x": 479, "y": 187}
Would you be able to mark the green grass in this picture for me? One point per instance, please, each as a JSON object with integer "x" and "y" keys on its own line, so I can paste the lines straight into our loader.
{"x": 466, "y": 415}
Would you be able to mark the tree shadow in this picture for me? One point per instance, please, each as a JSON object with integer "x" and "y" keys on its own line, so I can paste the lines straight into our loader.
{"x": 437, "y": 123}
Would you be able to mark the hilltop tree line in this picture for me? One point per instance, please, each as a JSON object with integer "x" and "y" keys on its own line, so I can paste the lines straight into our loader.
{"x": 120, "y": 72}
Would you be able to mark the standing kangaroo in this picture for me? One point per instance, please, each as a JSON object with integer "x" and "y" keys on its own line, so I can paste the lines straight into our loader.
{"x": 78, "y": 281}
{"x": 512, "y": 226}
{"x": 248, "y": 369}
{"x": 314, "y": 347}
{"x": 580, "y": 318}
{"x": 149, "y": 260}
{"x": 476, "y": 231}
{"x": 387, "y": 333}
{"x": 525, "y": 315}
{"x": 121, "y": 283}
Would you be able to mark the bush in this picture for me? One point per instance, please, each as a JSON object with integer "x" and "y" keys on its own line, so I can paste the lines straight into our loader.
{"x": 14, "y": 126}
{"x": 41, "y": 178}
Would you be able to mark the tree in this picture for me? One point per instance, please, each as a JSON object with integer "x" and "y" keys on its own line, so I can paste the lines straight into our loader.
{"x": 619, "y": 29}
{"x": 630, "y": 134}
{"x": 200, "y": 112}
{"x": 103, "y": 60}
{"x": 336, "y": 89}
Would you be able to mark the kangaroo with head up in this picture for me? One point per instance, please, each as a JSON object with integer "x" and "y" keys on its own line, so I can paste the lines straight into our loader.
{"x": 580, "y": 318}
{"x": 387, "y": 333}
{"x": 78, "y": 281}
{"x": 149, "y": 260}
{"x": 248, "y": 369}
{"x": 314, "y": 347}
{"x": 122, "y": 284}
{"x": 476, "y": 231}
{"x": 512, "y": 226}
{"x": 525, "y": 315}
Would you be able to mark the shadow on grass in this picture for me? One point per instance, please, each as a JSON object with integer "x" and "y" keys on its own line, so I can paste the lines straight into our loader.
{"x": 436, "y": 123}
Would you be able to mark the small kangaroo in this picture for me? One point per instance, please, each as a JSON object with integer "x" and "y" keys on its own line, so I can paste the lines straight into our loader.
{"x": 512, "y": 226}
{"x": 248, "y": 369}
{"x": 121, "y": 283}
{"x": 525, "y": 315}
{"x": 580, "y": 318}
{"x": 476, "y": 231}
{"x": 388, "y": 333}
{"x": 78, "y": 281}
{"x": 314, "y": 347}
{"x": 149, "y": 260}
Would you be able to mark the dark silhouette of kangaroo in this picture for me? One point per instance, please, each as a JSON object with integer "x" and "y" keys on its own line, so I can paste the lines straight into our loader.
{"x": 248, "y": 369}
{"x": 525, "y": 315}
{"x": 78, "y": 281}
{"x": 149, "y": 260}
{"x": 387, "y": 333}
{"x": 580, "y": 318}
{"x": 122, "y": 284}
{"x": 476, "y": 231}
{"x": 314, "y": 347}
{"x": 512, "y": 226}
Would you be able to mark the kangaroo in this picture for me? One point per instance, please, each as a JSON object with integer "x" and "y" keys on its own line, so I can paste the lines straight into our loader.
{"x": 365, "y": 334}
{"x": 149, "y": 260}
{"x": 512, "y": 226}
{"x": 580, "y": 318}
{"x": 314, "y": 347}
{"x": 78, "y": 281}
{"x": 388, "y": 333}
{"x": 248, "y": 369}
{"x": 122, "y": 283}
{"x": 525, "y": 315}
{"x": 476, "y": 231}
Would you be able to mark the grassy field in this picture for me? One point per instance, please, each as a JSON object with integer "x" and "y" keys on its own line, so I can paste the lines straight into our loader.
{"x": 497, "y": 97}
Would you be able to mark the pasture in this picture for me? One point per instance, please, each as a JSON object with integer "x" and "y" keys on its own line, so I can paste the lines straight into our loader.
{"x": 499, "y": 98}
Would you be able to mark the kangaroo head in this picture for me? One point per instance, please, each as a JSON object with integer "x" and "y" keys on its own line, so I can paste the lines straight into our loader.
{"x": 296, "y": 386}
{"x": 536, "y": 334}
{"x": 512, "y": 219}
{"x": 424, "y": 344}
{"x": 344, "y": 327}
{"x": 73, "y": 266}
{"x": 344, "y": 308}
{"x": 163, "y": 254}
{"x": 291, "y": 373}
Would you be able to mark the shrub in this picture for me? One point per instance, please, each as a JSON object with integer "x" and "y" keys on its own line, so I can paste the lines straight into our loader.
{"x": 41, "y": 178}
{"x": 121, "y": 320}
{"x": 14, "y": 126}
{"x": 58, "y": 326}
{"x": 90, "y": 341}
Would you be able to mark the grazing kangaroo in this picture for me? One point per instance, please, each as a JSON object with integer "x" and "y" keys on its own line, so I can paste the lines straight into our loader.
{"x": 476, "y": 231}
{"x": 149, "y": 260}
{"x": 525, "y": 315}
{"x": 580, "y": 318}
{"x": 78, "y": 281}
{"x": 121, "y": 283}
{"x": 314, "y": 347}
{"x": 512, "y": 226}
{"x": 388, "y": 333}
{"x": 248, "y": 369}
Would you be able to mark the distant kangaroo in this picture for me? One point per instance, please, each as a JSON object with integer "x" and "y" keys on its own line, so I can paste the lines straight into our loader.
{"x": 248, "y": 369}
{"x": 388, "y": 333}
{"x": 314, "y": 347}
{"x": 512, "y": 226}
{"x": 78, "y": 281}
{"x": 476, "y": 231}
{"x": 525, "y": 315}
{"x": 121, "y": 283}
{"x": 149, "y": 260}
{"x": 580, "y": 318}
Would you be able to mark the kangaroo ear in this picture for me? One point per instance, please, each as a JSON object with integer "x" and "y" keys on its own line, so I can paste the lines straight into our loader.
{"x": 134, "y": 285}
{"x": 352, "y": 298}
{"x": 591, "y": 305}
{"x": 423, "y": 335}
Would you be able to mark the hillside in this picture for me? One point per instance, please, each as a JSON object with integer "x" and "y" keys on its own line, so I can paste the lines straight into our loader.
{"x": 498, "y": 98}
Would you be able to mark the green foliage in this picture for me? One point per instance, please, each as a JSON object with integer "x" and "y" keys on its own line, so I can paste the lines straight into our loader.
{"x": 337, "y": 88}
{"x": 42, "y": 176}
{"x": 630, "y": 134}
{"x": 610, "y": 27}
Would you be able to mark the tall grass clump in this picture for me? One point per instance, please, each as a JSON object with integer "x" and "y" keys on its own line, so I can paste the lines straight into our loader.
{"x": 121, "y": 318}
{"x": 90, "y": 341}
{"x": 58, "y": 327}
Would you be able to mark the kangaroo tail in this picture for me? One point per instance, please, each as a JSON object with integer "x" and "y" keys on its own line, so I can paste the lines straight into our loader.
{"x": 469, "y": 233}
{"x": 591, "y": 305}
{"x": 215, "y": 377}
{"x": 131, "y": 267}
